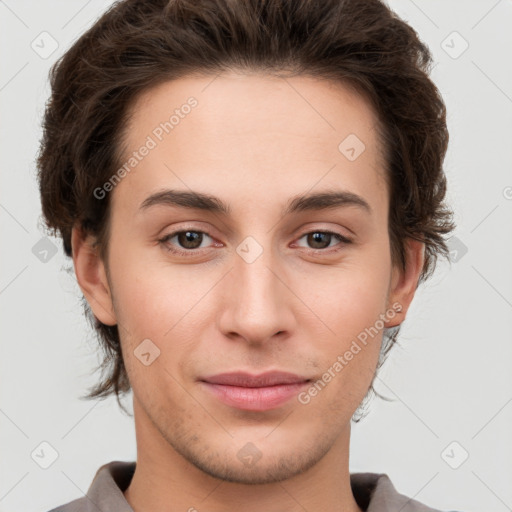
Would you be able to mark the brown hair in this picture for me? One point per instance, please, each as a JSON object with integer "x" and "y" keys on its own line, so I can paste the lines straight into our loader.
{"x": 136, "y": 45}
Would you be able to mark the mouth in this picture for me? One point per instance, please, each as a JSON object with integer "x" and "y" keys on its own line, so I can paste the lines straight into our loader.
{"x": 266, "y": 391}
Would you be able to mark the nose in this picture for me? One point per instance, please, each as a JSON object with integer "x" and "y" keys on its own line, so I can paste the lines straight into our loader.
{"x": 258, "y": 303}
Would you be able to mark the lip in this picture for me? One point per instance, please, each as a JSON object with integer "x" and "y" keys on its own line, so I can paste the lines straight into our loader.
{"x": 249, "y": 392}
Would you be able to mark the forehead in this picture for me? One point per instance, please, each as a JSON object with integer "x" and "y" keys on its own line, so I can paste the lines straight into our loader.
{"x": 251, "y": 131}
{"x": 233, "y": 104}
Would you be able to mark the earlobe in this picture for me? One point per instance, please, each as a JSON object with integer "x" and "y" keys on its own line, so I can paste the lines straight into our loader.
{"x": 404, "y": 283}
{"x": 91, "y": 276}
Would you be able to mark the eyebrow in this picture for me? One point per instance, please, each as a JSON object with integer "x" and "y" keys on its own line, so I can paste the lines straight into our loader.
{"x": 309, "y": 202}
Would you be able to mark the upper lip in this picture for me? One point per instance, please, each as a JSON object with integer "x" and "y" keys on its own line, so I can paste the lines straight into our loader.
{"x": 246, "y": 380}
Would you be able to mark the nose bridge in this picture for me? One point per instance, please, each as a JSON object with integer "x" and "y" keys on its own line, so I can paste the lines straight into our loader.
{"x": 257, "y": 306}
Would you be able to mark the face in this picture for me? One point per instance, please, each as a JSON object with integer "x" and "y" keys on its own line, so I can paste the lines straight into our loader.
{"x": 250, "y": 279}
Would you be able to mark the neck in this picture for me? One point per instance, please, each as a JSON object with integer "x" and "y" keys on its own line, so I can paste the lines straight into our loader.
{"x": 165, "y": 481}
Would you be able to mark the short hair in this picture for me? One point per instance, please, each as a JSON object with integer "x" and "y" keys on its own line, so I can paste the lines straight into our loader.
{"x": 136, "y": 45}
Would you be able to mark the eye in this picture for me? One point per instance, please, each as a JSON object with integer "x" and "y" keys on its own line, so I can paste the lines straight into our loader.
{"x": 188, "y": 240}
{"x": 321, "y": 240}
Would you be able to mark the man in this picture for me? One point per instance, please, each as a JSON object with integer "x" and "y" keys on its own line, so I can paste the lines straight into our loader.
{"x": 250, "y": 193}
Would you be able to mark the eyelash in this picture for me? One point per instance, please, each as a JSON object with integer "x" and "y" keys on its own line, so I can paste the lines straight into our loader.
{"x": 192, "y": 252}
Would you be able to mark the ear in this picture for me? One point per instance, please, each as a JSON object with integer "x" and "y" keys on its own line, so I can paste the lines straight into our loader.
{"x": 92, "y": 277}
{"x": 404, "y": 282}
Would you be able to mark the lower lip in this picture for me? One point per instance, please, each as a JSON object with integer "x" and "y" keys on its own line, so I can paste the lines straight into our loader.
{"x": 255, "y": 399}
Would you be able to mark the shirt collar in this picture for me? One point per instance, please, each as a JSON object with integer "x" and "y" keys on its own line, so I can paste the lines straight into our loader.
{"x": 373, "y": 492}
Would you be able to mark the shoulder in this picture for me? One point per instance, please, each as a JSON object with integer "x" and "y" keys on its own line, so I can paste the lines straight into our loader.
{"x": 78, "y": 505}
{"x": 374, "y": 492}
{"x": 105, "y": 491}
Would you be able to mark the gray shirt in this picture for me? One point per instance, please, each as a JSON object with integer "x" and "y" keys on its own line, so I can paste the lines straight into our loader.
{"x": 373, "y": 492}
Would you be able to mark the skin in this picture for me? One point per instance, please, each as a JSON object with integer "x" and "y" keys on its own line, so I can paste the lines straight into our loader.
{"x": 254, "y": 141}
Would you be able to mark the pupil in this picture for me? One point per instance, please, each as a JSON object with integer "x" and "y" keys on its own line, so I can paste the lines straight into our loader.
{"x": 317, "y": 239}
{"x": 189, "y": 237}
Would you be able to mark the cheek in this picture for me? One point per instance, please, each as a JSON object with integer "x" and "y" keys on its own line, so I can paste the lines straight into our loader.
{"x": 161, "y": 303}
{"x": 348, "y": 298}
{"x": 348, "y": 352}
{"x": 151, "y": 306}
{"x": 151, "y": 294}
{"x": 347, "y": 305}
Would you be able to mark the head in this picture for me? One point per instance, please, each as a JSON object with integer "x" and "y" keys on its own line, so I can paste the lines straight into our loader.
{"x": 240, "y": 268}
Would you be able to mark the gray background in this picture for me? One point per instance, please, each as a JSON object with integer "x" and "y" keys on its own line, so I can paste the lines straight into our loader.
{"x": 450, "y": 379}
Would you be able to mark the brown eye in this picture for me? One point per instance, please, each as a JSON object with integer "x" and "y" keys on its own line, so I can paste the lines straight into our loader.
{"x": 320, "y": 240}
{"x": 189, "y": 239}
{"x": 186, "y": 241}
